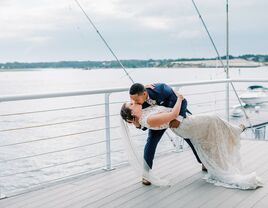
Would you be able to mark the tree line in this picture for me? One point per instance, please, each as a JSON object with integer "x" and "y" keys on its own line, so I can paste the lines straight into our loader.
{"x": 132, "y": 63}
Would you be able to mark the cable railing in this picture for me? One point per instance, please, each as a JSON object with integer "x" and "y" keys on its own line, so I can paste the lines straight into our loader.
{"x": 52, "y": 138}
{"x": 51, "y": 110}
{"x": 54, "y": 124}
{"x": 103, "y": 125}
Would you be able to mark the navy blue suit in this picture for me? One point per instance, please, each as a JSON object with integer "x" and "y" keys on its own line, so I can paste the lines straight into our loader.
{"x": 163, "y": 95}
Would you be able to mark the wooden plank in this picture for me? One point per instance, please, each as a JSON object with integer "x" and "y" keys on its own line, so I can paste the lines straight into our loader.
{"x": 37, "y": 196}
{"x": 252, "y": 199}
{"x": 119, "y": 199}
{"x": 155, "y": 199}
{"x": 219, "y": 195}
{"x": 93, "y": 191}
{"x": 133, "y": 200}
{"x": 161, "y": 194}
{"x": 114, "y": 188}
{"x": 89, "y": 178}
{"x": 238, "y": 196}
{"x": 59, "y": 195}
{"x": 262, "y": 203}
{"x": 197, "y": 198}
{"x": 189, "y": 189}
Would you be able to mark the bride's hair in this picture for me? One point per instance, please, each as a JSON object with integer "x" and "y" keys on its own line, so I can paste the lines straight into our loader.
{"x": 126, "y": 113}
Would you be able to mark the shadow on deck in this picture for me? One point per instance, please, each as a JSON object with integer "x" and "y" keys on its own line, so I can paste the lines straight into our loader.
{"x": 122, "y": 188}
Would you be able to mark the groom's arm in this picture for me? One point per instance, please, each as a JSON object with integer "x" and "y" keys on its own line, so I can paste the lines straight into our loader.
{"x": 171, "y": 98}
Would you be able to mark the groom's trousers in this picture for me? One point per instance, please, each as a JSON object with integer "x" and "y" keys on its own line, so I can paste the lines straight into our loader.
{"x": 154, "y": 137}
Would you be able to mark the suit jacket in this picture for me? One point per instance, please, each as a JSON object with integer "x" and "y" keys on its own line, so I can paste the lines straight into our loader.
{"x": 163, "y": 94}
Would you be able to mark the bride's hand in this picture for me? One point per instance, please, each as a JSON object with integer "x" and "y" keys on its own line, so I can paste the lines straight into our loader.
{"x": 179, "y": 96}
{"x": 151, "y": 86}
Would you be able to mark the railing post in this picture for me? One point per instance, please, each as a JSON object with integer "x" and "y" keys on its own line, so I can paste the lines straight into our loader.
{"x": 227, "y": 101}
{"x": 227, "y": 62}
{"x": 107, "y": 132}
{"x": 260, "y": 132}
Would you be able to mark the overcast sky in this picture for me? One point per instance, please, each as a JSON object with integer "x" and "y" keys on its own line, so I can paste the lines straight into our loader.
{"x": 55, "y": 30}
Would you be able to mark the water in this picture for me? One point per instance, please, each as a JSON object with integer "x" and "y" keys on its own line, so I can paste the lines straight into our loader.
{"x": 51, "y": 80}
{"x": 62, "y": 80}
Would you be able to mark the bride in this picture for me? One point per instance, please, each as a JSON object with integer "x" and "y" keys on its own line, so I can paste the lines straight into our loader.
{"x": 216, "y": 141}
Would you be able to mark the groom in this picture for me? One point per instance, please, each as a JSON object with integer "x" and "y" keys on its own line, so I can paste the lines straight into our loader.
{"x": 157, "y": 94}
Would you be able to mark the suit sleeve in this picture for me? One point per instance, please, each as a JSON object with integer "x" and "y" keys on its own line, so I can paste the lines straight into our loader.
{"x": 171, "y": 98}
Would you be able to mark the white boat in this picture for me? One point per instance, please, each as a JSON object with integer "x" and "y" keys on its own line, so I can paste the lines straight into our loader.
{"x": 237, "y": 111}
{"x": 256, "y": 95}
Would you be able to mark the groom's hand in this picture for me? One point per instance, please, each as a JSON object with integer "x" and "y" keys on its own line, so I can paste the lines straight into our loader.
{"x": 174, "y": 123}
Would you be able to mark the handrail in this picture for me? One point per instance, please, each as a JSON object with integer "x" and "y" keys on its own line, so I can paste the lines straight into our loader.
{"x": 51, "y": 110}
{"x": 114, "y": 90}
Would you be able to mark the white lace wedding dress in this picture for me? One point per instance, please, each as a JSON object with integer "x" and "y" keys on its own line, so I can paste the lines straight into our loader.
{"x": 217, "y": 143}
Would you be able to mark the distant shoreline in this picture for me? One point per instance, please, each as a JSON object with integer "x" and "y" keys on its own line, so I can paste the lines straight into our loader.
{"x": 234, "y": 63}
{"x": 244, "y": 61}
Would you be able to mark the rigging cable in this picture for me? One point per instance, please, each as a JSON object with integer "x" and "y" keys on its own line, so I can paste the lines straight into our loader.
{"x": 110, "y": 49}
{"x": 220, "y": 59}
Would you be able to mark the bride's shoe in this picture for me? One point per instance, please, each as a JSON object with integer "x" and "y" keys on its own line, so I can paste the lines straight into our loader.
{"x": 243, "y": 127}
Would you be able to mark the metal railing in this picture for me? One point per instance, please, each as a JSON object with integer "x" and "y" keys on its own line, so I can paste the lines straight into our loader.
{"x": 106, "y": 116}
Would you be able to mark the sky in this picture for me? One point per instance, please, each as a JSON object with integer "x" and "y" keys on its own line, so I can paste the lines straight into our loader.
{"x": 49, "y": 30}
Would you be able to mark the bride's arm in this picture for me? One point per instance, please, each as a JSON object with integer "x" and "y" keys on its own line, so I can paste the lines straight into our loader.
{"x": 163, "y": 118}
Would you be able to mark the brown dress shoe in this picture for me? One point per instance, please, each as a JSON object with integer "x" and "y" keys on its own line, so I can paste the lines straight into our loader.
{"x": 204, "y": 168}
{"x": 146, "y": 182}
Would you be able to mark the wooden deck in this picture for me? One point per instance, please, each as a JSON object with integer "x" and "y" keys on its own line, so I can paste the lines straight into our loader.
{"x": 122, "y": 188}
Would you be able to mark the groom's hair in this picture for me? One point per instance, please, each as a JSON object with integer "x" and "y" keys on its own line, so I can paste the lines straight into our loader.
{"x": 136, "y": 88}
